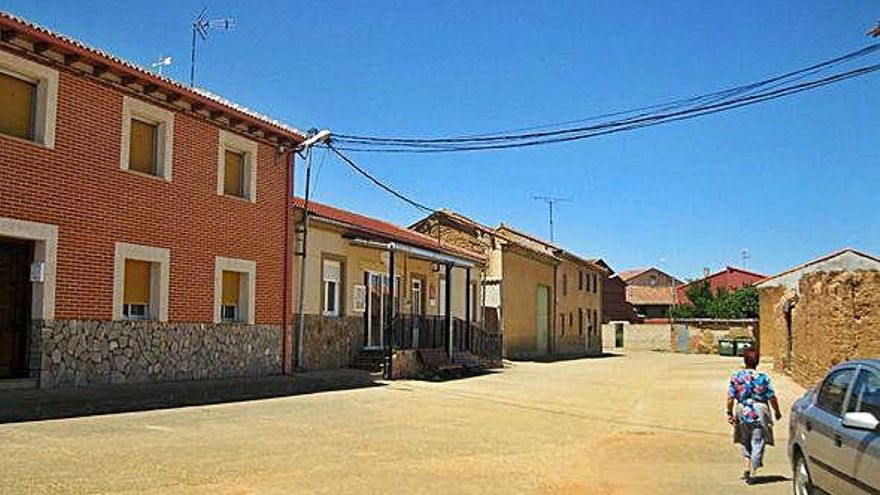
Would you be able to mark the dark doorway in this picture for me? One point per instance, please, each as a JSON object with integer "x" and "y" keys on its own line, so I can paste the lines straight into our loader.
{"x": 15, "y": 306}
{"x": 618, "y": 335}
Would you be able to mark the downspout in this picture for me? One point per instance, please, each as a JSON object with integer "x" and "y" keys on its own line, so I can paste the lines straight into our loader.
{"x": 285, "y": 300}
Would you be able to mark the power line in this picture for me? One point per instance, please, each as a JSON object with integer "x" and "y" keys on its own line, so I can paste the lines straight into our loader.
{"x": 379, "y": 183}
{"x": 611, "y": 127}
{"x": 771, "y": 88}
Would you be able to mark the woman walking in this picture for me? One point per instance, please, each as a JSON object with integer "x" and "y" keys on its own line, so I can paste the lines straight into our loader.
{"x": 750, "y": 395}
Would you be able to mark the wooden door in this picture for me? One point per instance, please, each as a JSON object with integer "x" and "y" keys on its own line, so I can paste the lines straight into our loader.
{"x": 15, "y": 306}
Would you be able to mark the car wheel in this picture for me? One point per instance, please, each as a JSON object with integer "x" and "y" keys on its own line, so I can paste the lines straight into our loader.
{"x": 803, "y": 484}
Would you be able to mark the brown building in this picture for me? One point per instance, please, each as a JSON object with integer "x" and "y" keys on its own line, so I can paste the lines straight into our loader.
{"x": 578, "y": 297}
{"x": 547, "y": 300}
{"x": 650, "y": 291}
{"x": 823, "y": 312}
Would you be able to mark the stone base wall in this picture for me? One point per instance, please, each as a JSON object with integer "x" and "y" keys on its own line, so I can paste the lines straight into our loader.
{"x": 81, "y": 353}
{"x": 330, "y": 342}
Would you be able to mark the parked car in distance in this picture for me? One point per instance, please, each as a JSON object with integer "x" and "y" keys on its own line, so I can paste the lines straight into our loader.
{"x": 834, "y": 432}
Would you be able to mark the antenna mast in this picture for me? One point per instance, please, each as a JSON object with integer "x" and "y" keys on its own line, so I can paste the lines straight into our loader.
{"x": 550, "y": 202}
{"x": 201, "y": 26}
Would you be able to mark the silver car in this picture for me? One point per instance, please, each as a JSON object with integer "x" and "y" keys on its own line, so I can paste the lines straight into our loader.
{"x": 834, "y": 432}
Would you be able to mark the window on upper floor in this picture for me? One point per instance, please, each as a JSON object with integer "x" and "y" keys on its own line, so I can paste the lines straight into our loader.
{"x": 564, "y": 284}
{"x": 18, "y": 101}
{"x": 28, "y": 100}
{"x": 580, "y": 280}
{"x": 147, "y": 138}
{"x": 237, "y": 167}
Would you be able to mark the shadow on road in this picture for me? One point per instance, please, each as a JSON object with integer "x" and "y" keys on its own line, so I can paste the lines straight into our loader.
{"x": 34, "y": 405}
{"x": 576, "y": 357}
{"x": 773, "y": 478}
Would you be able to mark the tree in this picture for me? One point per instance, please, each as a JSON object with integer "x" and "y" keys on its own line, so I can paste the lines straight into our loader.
{"x": 723, "y": 304}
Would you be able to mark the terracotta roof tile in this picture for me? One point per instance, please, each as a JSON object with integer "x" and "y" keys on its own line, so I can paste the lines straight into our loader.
{"x": 384, "y": 230}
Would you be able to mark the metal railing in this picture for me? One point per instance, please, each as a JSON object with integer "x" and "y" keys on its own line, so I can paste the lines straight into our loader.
{"x": 426, "y": 332}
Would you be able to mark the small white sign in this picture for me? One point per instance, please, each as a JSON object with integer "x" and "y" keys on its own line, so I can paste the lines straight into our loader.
{"x": 359, "y": 298}
{"x": 38, "y": 271}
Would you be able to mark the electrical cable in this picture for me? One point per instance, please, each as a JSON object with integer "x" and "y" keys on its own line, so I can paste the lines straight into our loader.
{"x": 377, "y": 182}
{"x": 698, "y": 105}
{"x": 585, "y": 132}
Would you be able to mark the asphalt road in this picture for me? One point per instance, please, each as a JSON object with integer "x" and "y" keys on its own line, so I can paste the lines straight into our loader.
{"x": 642, "y": 423}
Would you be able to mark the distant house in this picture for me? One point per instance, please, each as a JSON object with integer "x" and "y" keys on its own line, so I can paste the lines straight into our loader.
{"x": 731, "y": 278}
{"x": 615, "y": 307}
{"x": 820, "y": 313}
{"x": 650, "y": 291}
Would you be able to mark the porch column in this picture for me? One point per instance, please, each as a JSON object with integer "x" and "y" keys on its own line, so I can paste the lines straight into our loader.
{"x": 448, "y": 315}
{"x": 388, "y": 334}
{"x": 467, "y": 309}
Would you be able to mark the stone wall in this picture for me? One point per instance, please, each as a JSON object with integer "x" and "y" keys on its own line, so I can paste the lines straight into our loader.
{"x": 405, "y": 364}
{"x": 330, "y": 342}
{"x": 639, "y": 337}
{"x": 836, "y": 318}
{"x": 703, "y": 335}
{"x": 81, "y": 353}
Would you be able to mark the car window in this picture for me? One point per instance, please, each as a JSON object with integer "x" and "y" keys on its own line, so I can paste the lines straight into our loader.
{"x": 866, "y": 394}
{"x": 833, "y": 391}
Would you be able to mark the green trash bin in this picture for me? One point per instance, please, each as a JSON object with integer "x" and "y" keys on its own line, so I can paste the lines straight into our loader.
{"x": 742, "y": 345}
{"x": 726, "y": 347}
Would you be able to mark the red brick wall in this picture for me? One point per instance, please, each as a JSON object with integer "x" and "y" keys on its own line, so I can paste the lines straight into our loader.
{"x": 80, "y": 187}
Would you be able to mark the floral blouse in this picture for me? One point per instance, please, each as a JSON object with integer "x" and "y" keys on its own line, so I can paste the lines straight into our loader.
{"x": 749, "y": 387}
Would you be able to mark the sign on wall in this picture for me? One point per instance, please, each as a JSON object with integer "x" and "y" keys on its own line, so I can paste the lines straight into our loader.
{"x": 359, "y": 298}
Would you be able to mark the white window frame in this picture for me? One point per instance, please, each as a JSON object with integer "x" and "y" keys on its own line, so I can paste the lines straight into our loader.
{"x": 46, "y": 105}
{"x": 160, "y": 277}
{"x": 325, "y": 280}
{"x": 248, "y": 290}
{"x": 250, "y": 150}
{"x": 163, "y": 119}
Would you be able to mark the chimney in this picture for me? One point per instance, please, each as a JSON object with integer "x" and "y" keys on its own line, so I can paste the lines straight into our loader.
{"x": 706, "y": 272}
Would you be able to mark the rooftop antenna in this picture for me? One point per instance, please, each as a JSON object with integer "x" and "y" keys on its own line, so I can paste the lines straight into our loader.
{"x": 745, "y": 257}
{"x": 162, "y": 63}
{"x": 550, "y": 202}
{"x": 202, "y": 26}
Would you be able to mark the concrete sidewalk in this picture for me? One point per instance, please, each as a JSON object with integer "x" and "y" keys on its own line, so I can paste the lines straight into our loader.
{"x": 36, "y": 404}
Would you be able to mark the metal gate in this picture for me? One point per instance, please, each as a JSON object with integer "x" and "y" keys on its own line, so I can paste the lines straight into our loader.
{"x": 682, "y": 338}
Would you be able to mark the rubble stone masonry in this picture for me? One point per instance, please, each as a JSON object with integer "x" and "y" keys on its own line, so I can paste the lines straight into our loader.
{"x": 836, "y": 318}
{"x": 92, "y": 352}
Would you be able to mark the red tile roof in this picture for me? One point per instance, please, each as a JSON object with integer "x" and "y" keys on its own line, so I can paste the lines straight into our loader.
{"x": 384, "y": 230}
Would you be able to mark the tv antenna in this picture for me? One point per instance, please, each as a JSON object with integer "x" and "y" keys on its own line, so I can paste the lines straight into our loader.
{"x": 201, "y": 26}
{"x": 550, "y": 202}
{"x": 162, "y": 63}
{"x": 745, "y": 257}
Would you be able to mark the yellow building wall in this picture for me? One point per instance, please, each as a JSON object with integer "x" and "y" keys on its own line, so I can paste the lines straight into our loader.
{"x": 519, "y": 303}
{"x": 572, "y": 336}
{"x": 326, "y": 242}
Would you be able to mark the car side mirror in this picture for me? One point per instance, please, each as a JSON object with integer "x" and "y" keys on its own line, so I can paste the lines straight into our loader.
{"x": 860, "y": 421}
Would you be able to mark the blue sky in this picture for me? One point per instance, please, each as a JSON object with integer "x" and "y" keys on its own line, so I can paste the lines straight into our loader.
{"x": 789, "y": 180}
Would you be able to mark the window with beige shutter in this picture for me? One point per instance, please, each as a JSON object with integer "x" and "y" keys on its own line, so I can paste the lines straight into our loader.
{"x": 136, "y": 294}
{"x": 17, "y": 106}
{"x": 233, "y": 173}
{"x": 142, "y": 154}
{"x": 230, "y": 310}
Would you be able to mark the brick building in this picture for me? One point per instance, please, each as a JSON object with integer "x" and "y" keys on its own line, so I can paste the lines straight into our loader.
{"x": 823, "y": 312}
{"x": 142, "y": 223}
{"x": 731, "y": 279}
{"x": 650, "y": 291}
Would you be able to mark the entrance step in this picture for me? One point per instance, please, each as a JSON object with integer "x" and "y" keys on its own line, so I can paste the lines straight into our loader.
{"x": 371, "y": 360}
{"x": 466, "y": 359}
{"x": 18, "y": 384}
